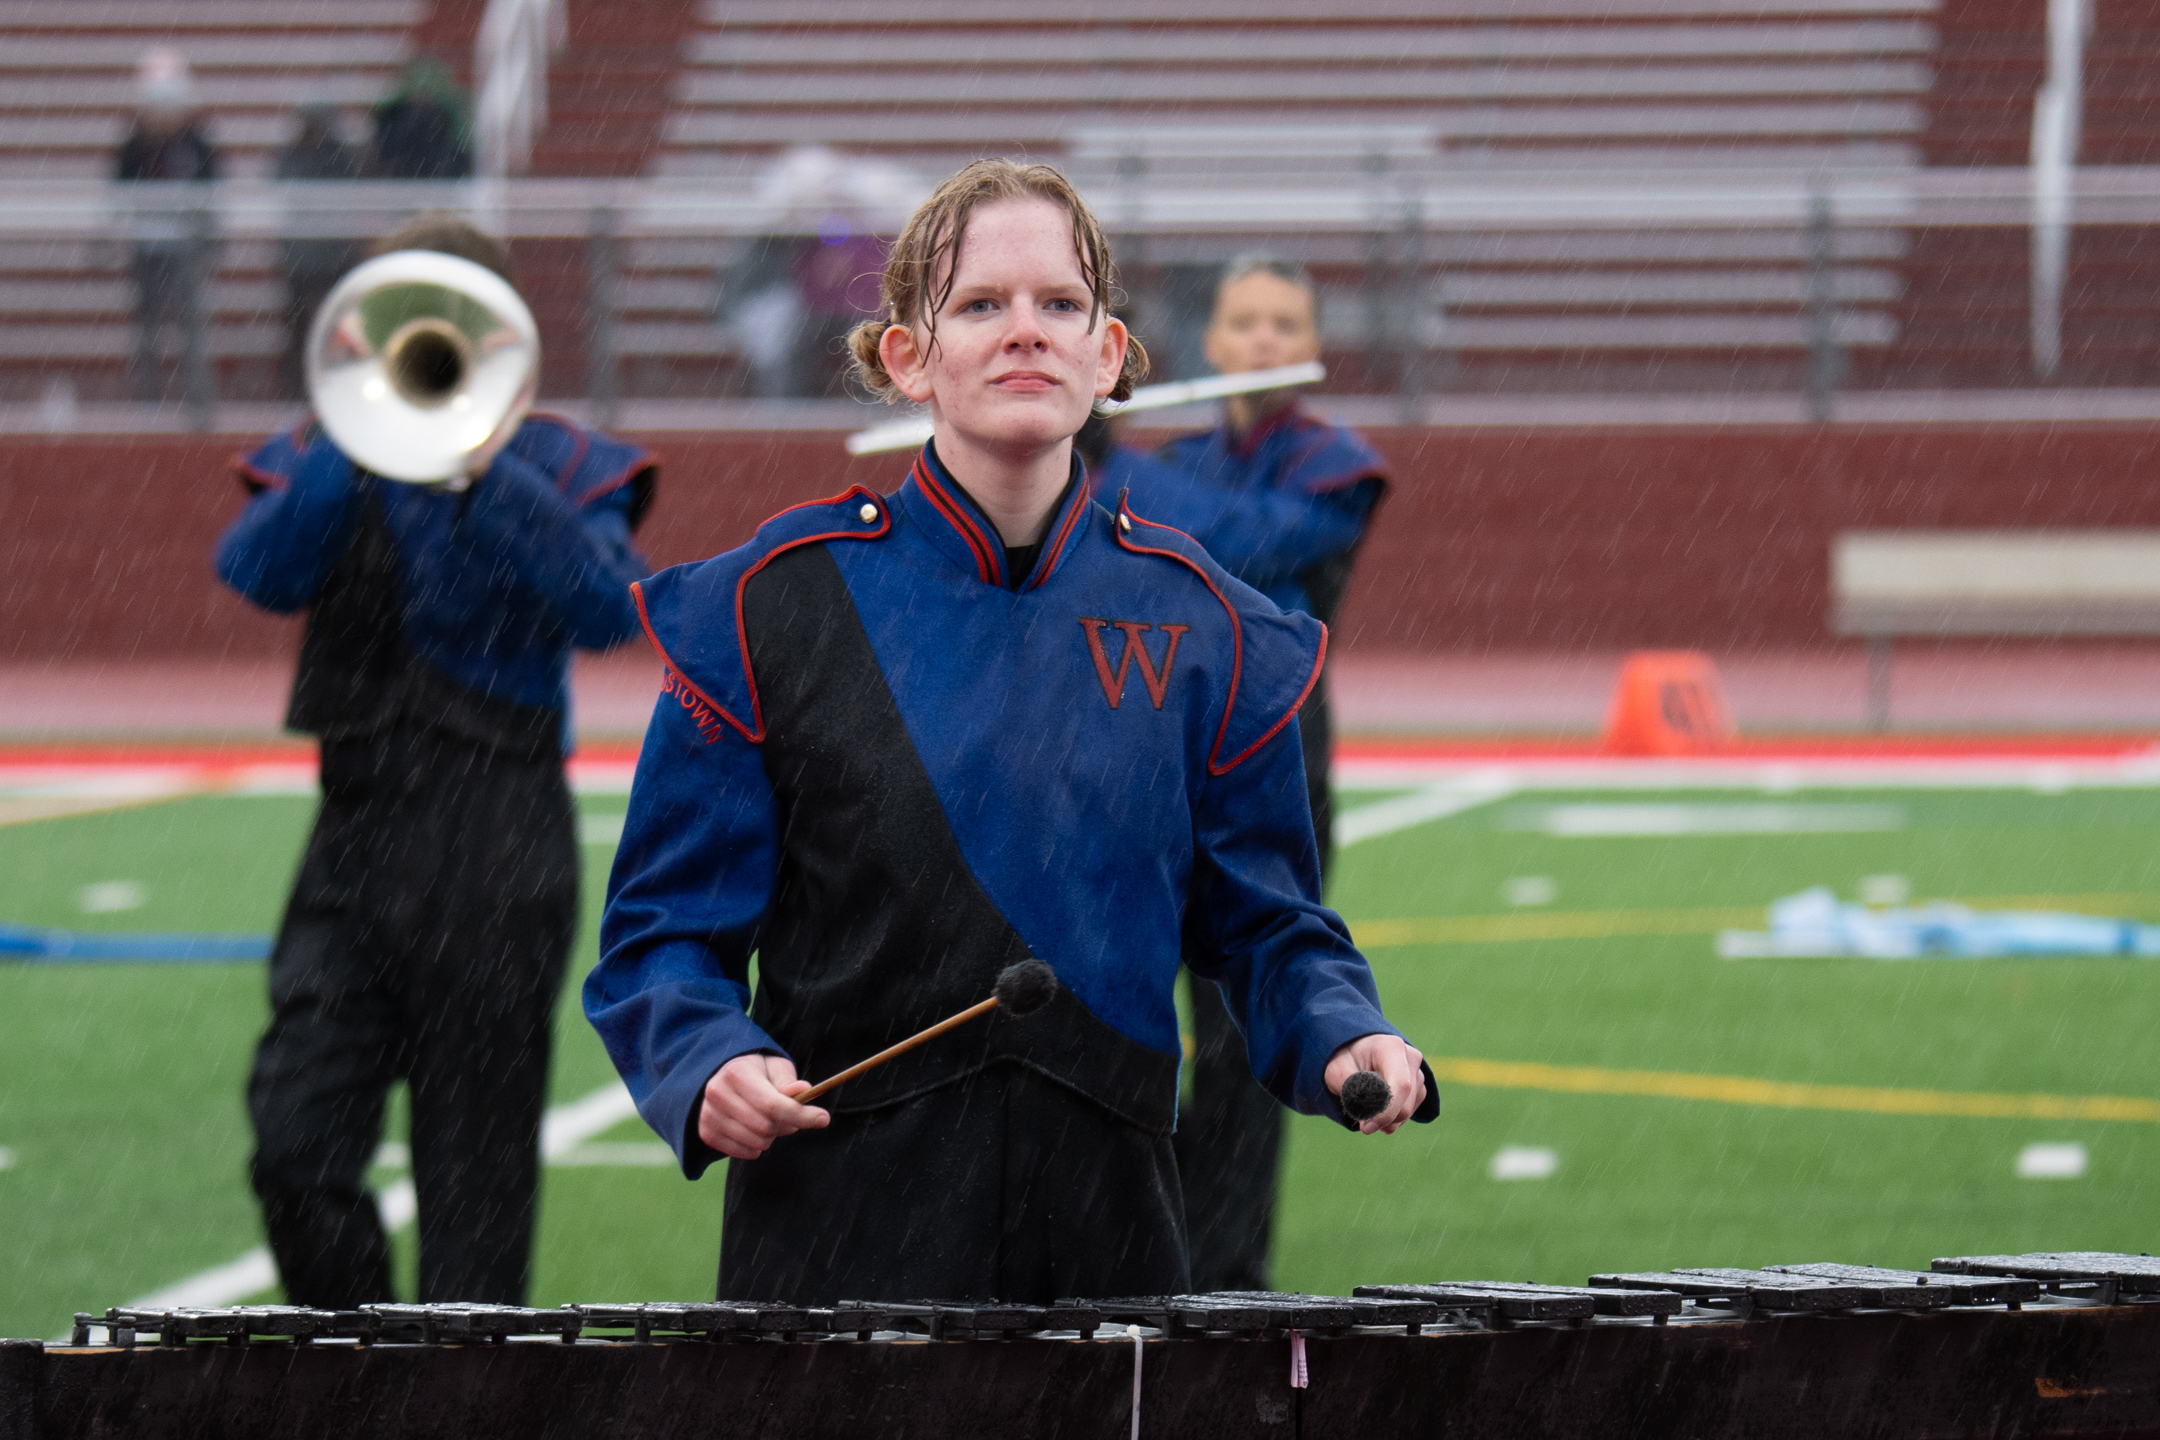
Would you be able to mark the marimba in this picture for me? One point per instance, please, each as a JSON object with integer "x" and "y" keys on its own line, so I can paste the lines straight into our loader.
{"x": 2050, "y": 1343}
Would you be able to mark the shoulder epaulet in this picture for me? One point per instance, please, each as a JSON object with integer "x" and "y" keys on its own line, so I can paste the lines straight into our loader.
{"x": 1276, "y": 655}
{"x": 1329, "y": 457}
{"x": 692, "y": 613}
{"x": 587, "y": 465}
{"x": 270, "y": 465}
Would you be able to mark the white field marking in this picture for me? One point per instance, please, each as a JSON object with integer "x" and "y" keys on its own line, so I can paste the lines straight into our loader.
{"x": 7, "y": 1158}
{"x": 125, "y": 784}
{"x": 44, "y": 790}
{"x": 562, "y": 1130}
{"x": 601, "y": 777}
{"x": 1523, "y": 1162}
{"x": 1885, "y": 890}
{"x": 621, "y": 1152}
{"x": 1436, "y": 801}
{"x": 2140, "y": 771}
{"x": 600, "y": 830}
{"x": 2057, "y": 1161}
{"x": 1530, "y": 890}
{"x": 108, "y": 897}
{"x": 1601, "y": 821}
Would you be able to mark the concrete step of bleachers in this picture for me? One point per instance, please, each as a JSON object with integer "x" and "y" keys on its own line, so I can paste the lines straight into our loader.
{"x": 1992, "y": 56}
{"x": 956, "y": 77}
{"x": 608, "y": 87}
{"x": 2122, "y": 89}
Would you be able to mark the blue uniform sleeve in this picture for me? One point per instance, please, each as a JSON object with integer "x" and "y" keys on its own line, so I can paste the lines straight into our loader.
{"x": 1263, "y": 535}
{"x": 1285, "y": 961}
{"x": 578, "y": 563}
{"x": 692, "y": 881}
{"x": 283, "y": 546}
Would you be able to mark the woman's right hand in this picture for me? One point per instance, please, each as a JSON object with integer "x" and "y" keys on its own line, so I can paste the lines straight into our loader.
{"x": 750, "y": 1102}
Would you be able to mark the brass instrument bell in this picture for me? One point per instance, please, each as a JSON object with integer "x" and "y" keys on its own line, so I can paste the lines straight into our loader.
{"x": 417, "y": 360}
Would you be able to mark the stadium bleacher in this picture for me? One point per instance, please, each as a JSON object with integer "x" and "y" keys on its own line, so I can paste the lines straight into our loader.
{"x": 1479, "y": 185}
{"x": 67, "y": 89}
{"x": 67, "y": 72}
{"x": 1665, "y": 80}
{"x": 1208, "y": 96}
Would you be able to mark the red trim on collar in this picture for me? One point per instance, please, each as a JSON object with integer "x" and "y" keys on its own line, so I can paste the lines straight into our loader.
{"x": 1216, "y": 765}
{"x": 705, "y": 710}
{"x": 1081, "y": 499}
{"x": 989, "y": 560}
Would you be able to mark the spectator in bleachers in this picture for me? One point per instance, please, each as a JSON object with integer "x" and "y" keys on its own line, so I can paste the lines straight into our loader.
{"x": 312, "y": 264}
{"x": 423, "y": 129}
{"x": 172, "y": 247}
{"x": 838, "y": 280}
{"x": 791, "y": 297}
{"x": 1281, "y": 499}
{"x": 761, "y": 308}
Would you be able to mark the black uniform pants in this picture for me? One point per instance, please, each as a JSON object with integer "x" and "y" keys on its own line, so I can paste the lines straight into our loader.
{"x": 425, "y": 940}
{"x": 1004, "y": 1186}
{"x": 1229, "y": 1139}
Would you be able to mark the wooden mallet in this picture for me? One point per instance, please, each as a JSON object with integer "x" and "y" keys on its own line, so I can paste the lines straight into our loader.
{"x": 1021, "y": 989}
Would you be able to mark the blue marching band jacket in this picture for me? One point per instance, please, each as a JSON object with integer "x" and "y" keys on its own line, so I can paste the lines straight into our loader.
{"x": 887, "y": 769}
{"x": 1281, "y": 507}
{"x": 457, "y": 609}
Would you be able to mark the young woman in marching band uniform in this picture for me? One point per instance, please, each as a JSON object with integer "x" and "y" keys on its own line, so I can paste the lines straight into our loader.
{"x": 909, "y": 739}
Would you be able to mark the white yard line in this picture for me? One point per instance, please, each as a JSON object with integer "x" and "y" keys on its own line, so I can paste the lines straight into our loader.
{"x": 1434, "y": 802}
{"x": 110, "y": 786}
{"x": 1778, "y": 777}
{"x": 562, "y": 1131}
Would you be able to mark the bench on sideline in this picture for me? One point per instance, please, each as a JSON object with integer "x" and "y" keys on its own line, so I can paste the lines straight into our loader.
{"x": 1887, "y": 585}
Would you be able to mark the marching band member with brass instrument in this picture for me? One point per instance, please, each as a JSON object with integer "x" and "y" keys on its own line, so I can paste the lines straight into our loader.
{"x": 450, "y": 551}
{"x": 909, "y": 741}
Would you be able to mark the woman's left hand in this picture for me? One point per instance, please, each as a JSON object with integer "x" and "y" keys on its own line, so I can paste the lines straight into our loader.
{"x": 1396, "y": 1062}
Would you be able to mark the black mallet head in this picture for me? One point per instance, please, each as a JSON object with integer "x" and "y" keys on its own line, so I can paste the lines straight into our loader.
{"x": 1025, "y": 987}
{"x": 1365, "y": 1096}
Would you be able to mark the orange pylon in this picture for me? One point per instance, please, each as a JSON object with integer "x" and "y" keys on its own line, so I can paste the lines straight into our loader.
{"x": 1668, "y": 702}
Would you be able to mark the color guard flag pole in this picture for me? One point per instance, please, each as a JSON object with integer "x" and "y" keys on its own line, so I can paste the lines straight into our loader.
{"x": 909, "y": 434}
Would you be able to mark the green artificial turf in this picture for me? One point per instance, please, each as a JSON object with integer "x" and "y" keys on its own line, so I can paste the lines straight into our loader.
{"x": 1654, "y": 1183}
{"x": 120, "y": 1085}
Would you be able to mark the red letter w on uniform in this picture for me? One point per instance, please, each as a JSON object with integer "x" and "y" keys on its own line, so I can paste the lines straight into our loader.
{"x": 1113, "y": 683}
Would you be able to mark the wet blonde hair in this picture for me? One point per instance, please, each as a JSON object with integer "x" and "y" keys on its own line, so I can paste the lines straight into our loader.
{"x": 920, "y": 271}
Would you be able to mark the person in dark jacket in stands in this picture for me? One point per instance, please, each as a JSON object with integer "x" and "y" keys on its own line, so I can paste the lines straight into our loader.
{"x": 423, "y": 130}
{"x": 1281, "y": 499}
{"x": 172, "y": 248}
{"x": 432, "y": 918}
{"x": 312, "y": 263}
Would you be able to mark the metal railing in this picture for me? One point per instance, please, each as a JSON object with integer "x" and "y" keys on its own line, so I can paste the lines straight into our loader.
{"x": 1399, "y": 235}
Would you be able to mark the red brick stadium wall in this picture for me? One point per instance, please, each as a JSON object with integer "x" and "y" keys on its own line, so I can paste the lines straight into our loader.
{"x": 1543, "y": 539}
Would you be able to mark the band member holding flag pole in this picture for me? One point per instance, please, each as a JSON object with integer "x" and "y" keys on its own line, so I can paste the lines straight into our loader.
{"x": 909, "y": 743}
